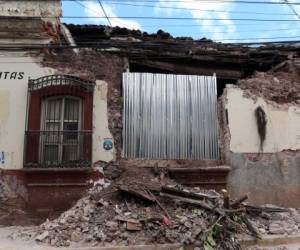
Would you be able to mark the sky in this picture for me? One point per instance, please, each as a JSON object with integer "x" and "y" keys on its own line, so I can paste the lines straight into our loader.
{"x": 227, "y": 30}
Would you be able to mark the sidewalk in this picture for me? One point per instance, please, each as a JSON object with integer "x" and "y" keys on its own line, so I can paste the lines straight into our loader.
{"x": 17, "y": 244}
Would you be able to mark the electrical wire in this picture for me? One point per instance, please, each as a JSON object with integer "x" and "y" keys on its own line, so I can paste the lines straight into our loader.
{"x": 107, "y": 44}
{"x": 292, "y": 8}
{"x": 96, "y": 12}
{"x": 198, "y": 9}
{"x": 119, "y": 3}
{"x": 104, "y": 12}
{"x": 200, "y": 1}
{"x": 192, "y": 18}
{"x": 225, "y": 32}
{"x": 217, "y": 40}
{"x": 181, "y": 18}
{"x": 197, "y": 25}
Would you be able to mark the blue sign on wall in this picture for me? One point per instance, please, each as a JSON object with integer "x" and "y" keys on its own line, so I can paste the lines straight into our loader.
{"x": 2, "y": 157}
{"x": 108, "y": 144}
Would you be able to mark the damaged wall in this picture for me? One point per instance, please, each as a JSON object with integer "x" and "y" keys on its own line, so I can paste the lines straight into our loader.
{"x": 35, "y": 21}
{"x": 94, "y": 65}
{"x": 48, "y": 8}
{"x": 47, "y": 191}
{"x": 15, "y": 71}
{"x": 271, "y": 175}
{"x": 102, "y": 138}
{"x": 282, "y": 129}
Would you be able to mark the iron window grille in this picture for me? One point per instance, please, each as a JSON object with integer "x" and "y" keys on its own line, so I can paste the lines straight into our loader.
{"x": 60, "y": 80}
{"x": 62, "y": 138}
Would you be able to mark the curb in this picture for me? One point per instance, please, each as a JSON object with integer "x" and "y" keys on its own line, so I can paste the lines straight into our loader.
{"x": 134, "y": 247}
{"x": 270, "y": 240}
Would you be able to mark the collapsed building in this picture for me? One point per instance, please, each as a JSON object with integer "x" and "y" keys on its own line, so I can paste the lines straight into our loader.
{"x": 79, "y": 98}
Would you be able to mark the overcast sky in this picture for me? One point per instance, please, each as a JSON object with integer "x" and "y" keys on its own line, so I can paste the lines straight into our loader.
{"x": 221, "y": 30}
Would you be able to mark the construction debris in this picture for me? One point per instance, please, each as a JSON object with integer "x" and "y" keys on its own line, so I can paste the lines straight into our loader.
{"x": 281, "y": 85}
{"x": 130, "y": 211}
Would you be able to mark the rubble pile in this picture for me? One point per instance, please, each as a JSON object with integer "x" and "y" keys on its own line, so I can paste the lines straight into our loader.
{"x": 146, "y": 207}
{"x": 281, "y": 85}
{"x": 287, "y": 223}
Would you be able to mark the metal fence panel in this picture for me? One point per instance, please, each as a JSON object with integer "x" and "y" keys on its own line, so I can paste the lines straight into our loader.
{"x": 170, "y": 116}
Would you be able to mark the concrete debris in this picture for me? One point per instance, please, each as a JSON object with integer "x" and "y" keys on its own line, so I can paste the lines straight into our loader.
{"x": 42, "y": 236}
{"x": 281, "y": 86}
{"x": 133, "y": 225}
{"x": 278, "y": 223}
{"x": 170, "y": 214}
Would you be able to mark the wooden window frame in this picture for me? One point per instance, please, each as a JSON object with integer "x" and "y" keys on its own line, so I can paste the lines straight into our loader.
{"x": 34, "y": 115}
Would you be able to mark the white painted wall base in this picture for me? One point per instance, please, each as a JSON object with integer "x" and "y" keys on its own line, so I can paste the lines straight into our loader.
{"x": 13, "y": 106}
{"x": 101, "y": 133}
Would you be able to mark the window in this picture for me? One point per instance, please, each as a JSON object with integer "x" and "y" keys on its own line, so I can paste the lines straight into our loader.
{"x": 59, "y": 130}
{"x": 61, "y": 123}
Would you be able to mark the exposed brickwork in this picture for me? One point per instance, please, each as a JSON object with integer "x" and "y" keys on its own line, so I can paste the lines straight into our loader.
{"x": 93, "y": 65}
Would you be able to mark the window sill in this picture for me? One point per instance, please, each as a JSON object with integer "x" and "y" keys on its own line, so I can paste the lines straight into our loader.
{"x": 83, "y": 169}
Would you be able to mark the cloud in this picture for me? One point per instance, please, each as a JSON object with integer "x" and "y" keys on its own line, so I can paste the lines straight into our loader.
{"x": 200, "y": 10}
{"x": 94, "y": 9}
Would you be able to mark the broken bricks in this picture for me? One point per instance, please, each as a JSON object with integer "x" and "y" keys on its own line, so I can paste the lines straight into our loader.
{"x": 108, "y": 217}
{"x": 133, "y": 225}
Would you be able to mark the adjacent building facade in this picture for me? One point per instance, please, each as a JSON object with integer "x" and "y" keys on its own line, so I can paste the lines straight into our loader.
{"x": 65, "y": 112}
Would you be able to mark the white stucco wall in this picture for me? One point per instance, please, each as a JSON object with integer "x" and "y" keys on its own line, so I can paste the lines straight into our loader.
{"x": 101, "y": 132}
{"x": 13, "y": 106}
{"x": 283, "y": 124}
{"x": 13, "y": 103}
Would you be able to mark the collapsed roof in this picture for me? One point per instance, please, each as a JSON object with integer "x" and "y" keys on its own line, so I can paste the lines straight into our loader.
{"x": 162, "y": 53}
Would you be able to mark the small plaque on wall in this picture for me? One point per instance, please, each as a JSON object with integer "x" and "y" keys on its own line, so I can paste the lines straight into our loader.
{"x": 108, "y": 144}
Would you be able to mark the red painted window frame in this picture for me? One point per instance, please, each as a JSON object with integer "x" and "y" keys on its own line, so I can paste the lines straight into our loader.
{"x": 35, "y": 112}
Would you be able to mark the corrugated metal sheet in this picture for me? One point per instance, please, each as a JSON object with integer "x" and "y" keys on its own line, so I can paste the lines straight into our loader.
{"x": 170, "y": 116}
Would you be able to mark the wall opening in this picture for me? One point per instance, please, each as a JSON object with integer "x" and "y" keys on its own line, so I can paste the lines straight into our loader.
{"x": 170, "y": 116}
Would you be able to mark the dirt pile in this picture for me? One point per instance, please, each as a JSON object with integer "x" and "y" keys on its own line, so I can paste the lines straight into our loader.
{"x": 281, "y": 84}
{"x": 146, "y": 207}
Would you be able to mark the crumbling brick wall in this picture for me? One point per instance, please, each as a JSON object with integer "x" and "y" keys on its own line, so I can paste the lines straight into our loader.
{"x": 269, "y": 174}
{"x": 280, "y": 85}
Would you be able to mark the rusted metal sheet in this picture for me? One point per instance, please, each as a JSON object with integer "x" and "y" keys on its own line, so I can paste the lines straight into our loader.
{"x": 170, "y": 116}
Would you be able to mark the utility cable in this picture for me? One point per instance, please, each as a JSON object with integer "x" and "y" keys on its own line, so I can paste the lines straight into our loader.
{"x": 104, "y": 12}
{"x": 174, "y": 34}
{"x": 152, "y": 45}
{"x": 183, "y": 18}
{"x": 200, "y": 1}
{"x": 198, "y": 9}
{"x": 198, "y": 25}
{"x": 96, "y": 12}
{"x": 154, "y": 18}
{"x": 292, "y": 8}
